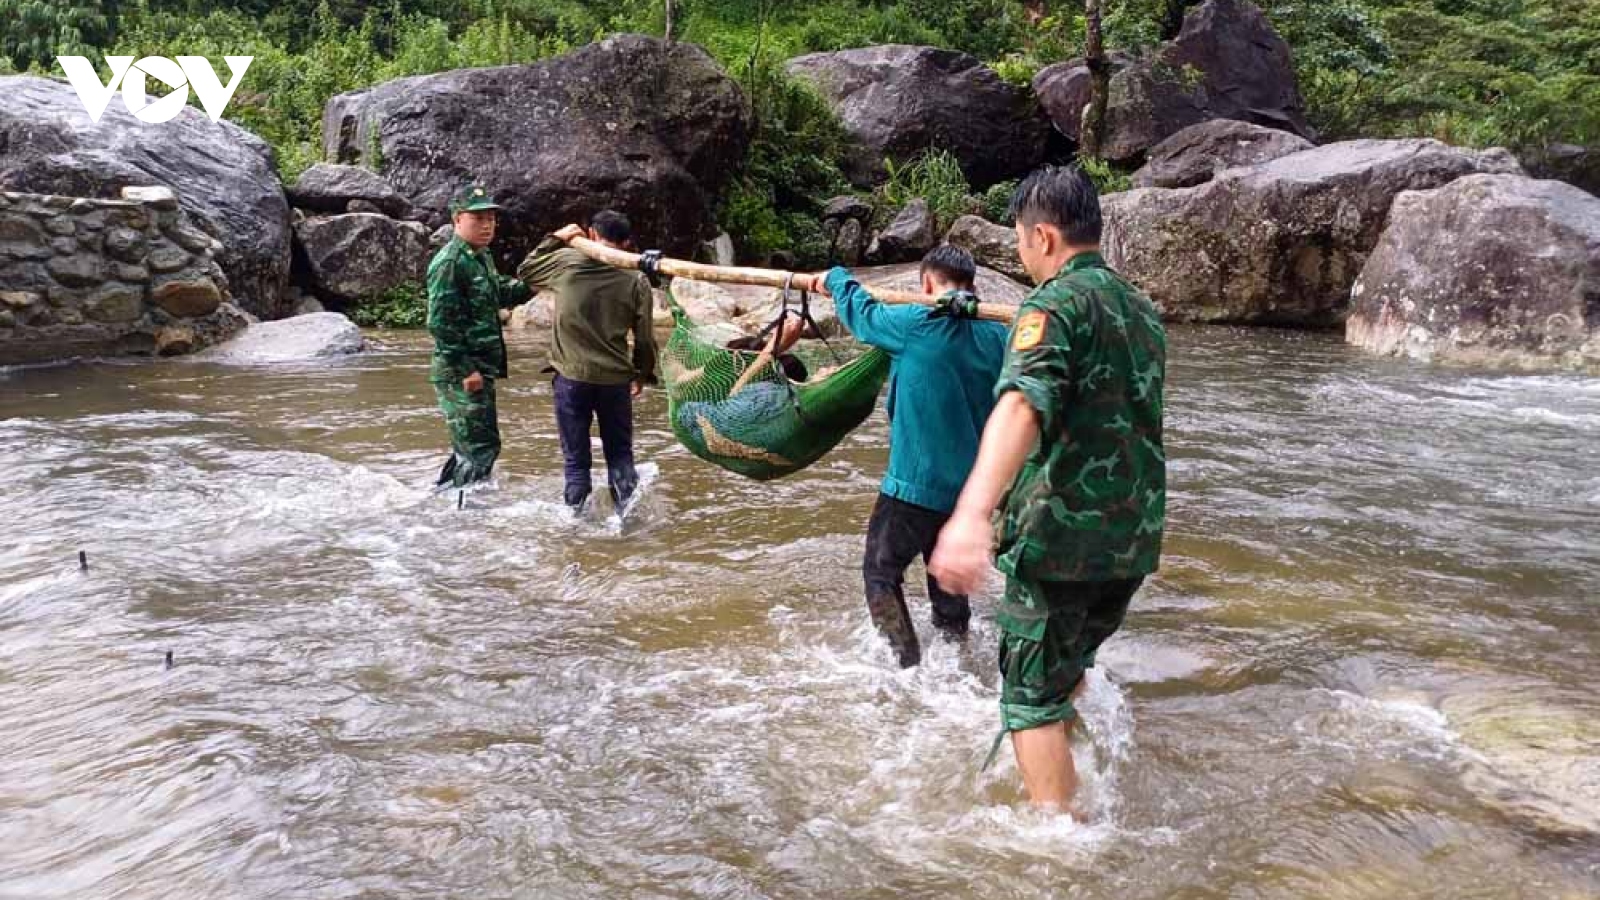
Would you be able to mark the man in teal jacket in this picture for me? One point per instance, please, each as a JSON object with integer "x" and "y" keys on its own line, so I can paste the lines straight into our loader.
{"x": 941, "y": 390}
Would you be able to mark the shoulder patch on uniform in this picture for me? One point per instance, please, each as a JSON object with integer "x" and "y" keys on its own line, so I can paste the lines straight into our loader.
{"x": 1030, "y": 330}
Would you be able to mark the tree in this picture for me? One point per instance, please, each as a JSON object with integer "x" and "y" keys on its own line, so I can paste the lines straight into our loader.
{"x": 1092, "y": 134}
{"x": 670, "y": 10}
{"x": 35, "y": 32}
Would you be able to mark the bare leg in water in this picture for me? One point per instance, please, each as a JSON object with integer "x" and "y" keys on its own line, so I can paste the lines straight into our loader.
{"x": 1044, "y": 755}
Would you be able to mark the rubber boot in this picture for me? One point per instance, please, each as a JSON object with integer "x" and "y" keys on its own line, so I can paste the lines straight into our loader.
{"x": 951, "y": 618}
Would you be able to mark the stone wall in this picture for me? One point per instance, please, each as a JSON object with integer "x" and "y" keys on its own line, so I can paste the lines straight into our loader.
{"x": 90, "y": 277}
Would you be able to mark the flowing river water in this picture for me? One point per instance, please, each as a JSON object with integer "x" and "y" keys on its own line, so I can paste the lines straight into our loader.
{"x": 1366, "y": 669}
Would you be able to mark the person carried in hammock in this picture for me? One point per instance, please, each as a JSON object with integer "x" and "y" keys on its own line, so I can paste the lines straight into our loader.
{"x": 941, "y": 390}
{"x": 760, "y": 399}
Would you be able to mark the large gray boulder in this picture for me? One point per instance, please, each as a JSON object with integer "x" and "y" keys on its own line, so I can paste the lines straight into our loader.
{"x": 1490, "y": 269}
{"x": 360, "y": 255}
{"x": 898, "y": 101}
{"x": 650, "y": 128}
{"x": 222, "y": 174}
{"x": 991, "y": 245}
{"x": 330, "y": 189}
{"x": 1279, "y": 243}
{"x": 1226, "y": 63}
{"x": 305, "y": 338}
{"x": 1197, "y": 153}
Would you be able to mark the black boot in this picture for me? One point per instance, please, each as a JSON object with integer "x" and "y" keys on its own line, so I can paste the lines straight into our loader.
{"x": 575, "y": 498}
{"x": 952, "y": 621}
{"x": 447, "y": 474}
{"x": 889, "y": 614}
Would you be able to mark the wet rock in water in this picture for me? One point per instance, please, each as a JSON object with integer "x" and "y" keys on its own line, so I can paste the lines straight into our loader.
{"x": 707, "y": 302}
{"x": 898, "y": 101}
{"x": 991, "y": 245}
{"x": 175, "y": 340}
{"x": 537, "y": 314}
{"x": 298, "y": 339}
{"x": 1197, "y": 153}
{"x": 222, "y": 175}
{"x": 1534, "y": 760}
{"x": 647, "y": 126}
{"x": 1280, "y": 243}
{"x": 1227, "y": 63}
{"x": 1136, "y": 660}
{"x": 357, "y": 256}
{"x": 1492, "y": 270}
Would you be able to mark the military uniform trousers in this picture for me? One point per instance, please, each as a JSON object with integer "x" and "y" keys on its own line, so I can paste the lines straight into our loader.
{"x": 474, "y": 432}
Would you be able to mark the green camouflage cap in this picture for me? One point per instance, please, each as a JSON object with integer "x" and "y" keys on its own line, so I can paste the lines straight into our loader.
{"x": 472, "y": 198}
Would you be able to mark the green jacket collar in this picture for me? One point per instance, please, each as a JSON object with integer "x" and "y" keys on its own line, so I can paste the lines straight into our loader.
{"x": 466, "y": 248}
{"x": 1087, "y": 259}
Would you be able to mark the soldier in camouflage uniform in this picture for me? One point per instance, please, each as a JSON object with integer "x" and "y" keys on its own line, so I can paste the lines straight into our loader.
{"x": 465, "y": 295}
{"x": 1074, "y": 446}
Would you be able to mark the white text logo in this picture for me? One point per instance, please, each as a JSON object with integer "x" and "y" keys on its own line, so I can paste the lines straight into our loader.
{"x": 188, "y": 72}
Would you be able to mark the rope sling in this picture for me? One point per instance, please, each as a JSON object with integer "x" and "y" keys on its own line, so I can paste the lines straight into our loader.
{"x": 739, "y": 409}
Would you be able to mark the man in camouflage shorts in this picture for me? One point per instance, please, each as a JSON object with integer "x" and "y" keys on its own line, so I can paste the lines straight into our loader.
{"x": 1072, "y": 457}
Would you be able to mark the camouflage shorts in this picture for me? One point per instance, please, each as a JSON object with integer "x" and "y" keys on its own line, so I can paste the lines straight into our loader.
{"x": 474, "y": 431}
{"x": 1049, "y": 632}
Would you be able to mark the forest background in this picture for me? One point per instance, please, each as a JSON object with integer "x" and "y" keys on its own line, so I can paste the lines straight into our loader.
{"x": 1523, "y": 74}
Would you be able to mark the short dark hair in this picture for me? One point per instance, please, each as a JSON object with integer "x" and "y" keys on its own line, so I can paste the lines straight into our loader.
{"x": 612, "y": 226}
{"x": 793, "y": 368}
{"x": 952, "y": 265}
{"x": 1062, "y": 196}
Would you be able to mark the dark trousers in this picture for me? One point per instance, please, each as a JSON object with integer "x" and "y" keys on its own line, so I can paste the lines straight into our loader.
{"x": 897, "y": 534}
{"x": 578, "y": 404}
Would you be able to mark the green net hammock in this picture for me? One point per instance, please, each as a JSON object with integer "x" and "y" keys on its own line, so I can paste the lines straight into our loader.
{"x": 770, "y": 426}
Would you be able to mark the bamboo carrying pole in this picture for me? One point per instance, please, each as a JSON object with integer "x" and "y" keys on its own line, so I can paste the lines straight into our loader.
{"x": 775, "y": 278}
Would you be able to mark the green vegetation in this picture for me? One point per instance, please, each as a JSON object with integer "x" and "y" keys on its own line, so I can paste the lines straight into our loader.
{"x": 934, "y": 176}
{"x": 404, "y": 306}
{"x": 792, "y": 168}
{"x": 1519, "y": 73}
{"x": 35, "y": 32}
{"x": 1107, "y": 179}
{"x": 994, "y": 204}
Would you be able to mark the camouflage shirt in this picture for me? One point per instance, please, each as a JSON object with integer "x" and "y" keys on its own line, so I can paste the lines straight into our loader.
{"x": 1089, "y": 354}
{"x": 465, "y": 295}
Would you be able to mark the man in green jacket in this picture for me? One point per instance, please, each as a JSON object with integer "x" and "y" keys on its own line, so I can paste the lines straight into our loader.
{"x": 465, "y": 296}
{"x": 941, "y": 389}
{"x": 1073, "y": 458}
{"x": 597, "y": 374}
